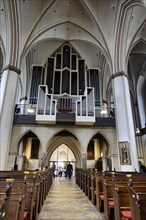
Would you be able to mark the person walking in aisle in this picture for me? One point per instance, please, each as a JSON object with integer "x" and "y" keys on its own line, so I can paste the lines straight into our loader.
{"x": 69, "y": 170}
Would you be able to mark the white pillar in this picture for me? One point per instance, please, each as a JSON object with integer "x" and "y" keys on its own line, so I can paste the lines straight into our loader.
{"x": 20, "y": 152}
{"x": 20, "y": 156}
{"x": 124, "y": 119}
{"x": 84, "y": 160}
{"x": 97, "y": 152}
{"x": 42, "y": 159}
{"x": 7, "y": 105}
{"x": 104, "y": 158}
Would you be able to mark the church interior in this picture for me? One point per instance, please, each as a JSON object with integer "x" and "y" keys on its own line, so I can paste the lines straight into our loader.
{"x": 73, "y": 90}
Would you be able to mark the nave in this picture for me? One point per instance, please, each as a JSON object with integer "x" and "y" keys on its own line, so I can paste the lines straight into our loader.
{"x": 37, "y": 195}
{"x": 66, "y": 201}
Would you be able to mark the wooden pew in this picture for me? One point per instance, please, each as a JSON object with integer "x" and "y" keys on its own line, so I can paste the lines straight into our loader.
{"x": 4, "y": 206}
{"x": 15, "y": 209}
{"x": 27, "y": 179}
{"x": 16, "y": 206}
{"x": 122, "y": 208}
{"x": 32, "y": 180}
{"x": 108, "y": 195}
{"x": 106, "y": 182}
{"x": 138, "y": 202}
{"x": 110, "y": 179}
{"x": 122, "y": 202}
{"x": 90, "y": 178}
{"x": 94, "y": 191}
{"x": 5, "y": 200}
{"x": 99, "y": 191}
{"x": 16, "y": 202}
{"x": 84, "y": 181}
{"x": 80, "y": 178}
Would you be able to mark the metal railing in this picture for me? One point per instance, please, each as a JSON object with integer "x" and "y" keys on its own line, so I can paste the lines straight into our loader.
{"x": 23, "y": 109}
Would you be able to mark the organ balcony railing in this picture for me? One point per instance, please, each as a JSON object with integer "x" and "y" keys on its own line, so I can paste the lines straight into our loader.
{"x": 48, "y": 106}
{"x": 22, "y": 109}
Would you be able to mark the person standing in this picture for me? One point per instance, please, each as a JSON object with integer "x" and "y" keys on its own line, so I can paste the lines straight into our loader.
{"x": 69, "y": 170}
{"x": 53, "y": 169}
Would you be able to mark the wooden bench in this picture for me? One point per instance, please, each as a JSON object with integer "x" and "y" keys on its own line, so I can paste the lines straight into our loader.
{"x": 122, "y": 208}
{"x": 15, "y": 209}
{"x": 16, "y": 206}
{"x": 37, "y": 185}
{"x": 138, "y": 202}
{"x": 95, "y": 187}
{"x": 5, "y": 193}
{"x": 30, "y": 195}
{"x": 4, "y": 207}
{"x": 108, "y": 196}
{"x": 110, "y": 190}
{"x": 99, "y": 191}
{"x": 110, "y": 180}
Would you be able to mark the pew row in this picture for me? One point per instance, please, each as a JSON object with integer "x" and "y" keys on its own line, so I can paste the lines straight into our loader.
{"x": 109, "y": 192}
{"x": 28, "y": 193}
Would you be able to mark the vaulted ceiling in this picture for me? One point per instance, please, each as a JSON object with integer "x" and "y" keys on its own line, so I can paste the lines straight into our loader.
{"x": 107, "y": 29}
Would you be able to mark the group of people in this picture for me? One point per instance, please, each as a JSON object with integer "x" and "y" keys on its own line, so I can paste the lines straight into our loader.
{"x": 68, "y": 172}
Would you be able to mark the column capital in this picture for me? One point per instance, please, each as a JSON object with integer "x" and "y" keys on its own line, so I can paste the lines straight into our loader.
{"x": 121, "y": 73}
{"x": 13, "y": 68}
{"x": 84, "y": 154}
{"x": 13, "y": 153}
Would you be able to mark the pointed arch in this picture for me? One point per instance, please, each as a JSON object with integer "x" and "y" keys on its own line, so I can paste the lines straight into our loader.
{"x": 98, "y": 153}
{"x": 69, "y": 140}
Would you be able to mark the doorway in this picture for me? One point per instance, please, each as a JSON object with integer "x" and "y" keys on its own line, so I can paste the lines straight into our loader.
{"x": 62, "y": 156}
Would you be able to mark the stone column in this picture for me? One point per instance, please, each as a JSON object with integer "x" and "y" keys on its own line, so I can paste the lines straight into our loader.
{"x": 97, "y": 152}
{"x": 124, "y": 120}
{"x": 104, "y": 158}
{"x": 7, "y": 106}
{"x": 42, "y": 160}
{"x": 20, "y": 156}
{"x": 84, "y": 160}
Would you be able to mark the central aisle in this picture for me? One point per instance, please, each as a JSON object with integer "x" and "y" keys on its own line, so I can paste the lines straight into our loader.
{"x": 66, "y": 201}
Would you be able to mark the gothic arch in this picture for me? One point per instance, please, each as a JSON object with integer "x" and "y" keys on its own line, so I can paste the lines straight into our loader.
{"x": 102, "y": 135}
{"x": 27, "y": 133}
{"x": 19, "y": 138}
{"x": 71, "y": 142}
{"x": 49, "y": 141}
{"x": 98, "y": 153}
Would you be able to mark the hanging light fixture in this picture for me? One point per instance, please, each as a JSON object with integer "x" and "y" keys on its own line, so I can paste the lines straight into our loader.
{"x": 30, "y": 109}
{"x": 103, "y": 110}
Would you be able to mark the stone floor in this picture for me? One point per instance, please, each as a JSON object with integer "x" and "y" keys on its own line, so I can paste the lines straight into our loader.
{"x": 66, "y": 201}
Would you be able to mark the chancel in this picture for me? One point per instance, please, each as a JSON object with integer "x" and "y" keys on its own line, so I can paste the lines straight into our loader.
{"x": 73, "y": 91}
